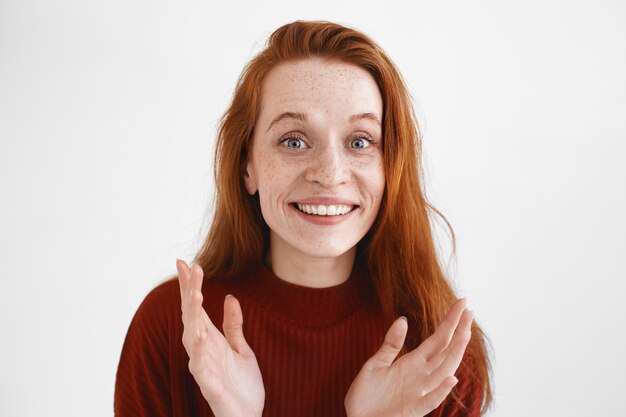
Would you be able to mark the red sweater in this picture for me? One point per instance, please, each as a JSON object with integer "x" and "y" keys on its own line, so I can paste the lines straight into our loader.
{"x": 310, "y": 344}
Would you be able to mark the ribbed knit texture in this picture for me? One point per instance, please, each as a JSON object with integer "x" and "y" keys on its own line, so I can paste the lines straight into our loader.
{"x": 310, "y": 344}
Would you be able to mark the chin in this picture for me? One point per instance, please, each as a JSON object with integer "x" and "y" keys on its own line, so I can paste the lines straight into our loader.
{"x": 326, "y": 250}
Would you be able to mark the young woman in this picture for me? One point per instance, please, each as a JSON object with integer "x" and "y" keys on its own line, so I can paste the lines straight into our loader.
{"x": 319, "y": 264}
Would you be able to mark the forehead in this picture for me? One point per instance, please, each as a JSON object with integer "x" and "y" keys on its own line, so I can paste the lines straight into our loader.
{"x": 319, "y": 85}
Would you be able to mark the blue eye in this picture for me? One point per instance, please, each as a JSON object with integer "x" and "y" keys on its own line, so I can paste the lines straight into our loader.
{"x": 359, "y": 143}
{"x": 294, "y": 142}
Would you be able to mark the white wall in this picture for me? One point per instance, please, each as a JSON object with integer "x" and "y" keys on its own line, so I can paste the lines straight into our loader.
{"x": 107, "y": 119}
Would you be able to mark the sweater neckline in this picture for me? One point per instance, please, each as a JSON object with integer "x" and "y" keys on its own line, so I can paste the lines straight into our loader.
{"x": 307, "y": 306}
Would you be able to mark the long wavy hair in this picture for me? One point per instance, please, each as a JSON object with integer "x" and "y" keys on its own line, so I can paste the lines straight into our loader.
{"x": 398, "y": 252}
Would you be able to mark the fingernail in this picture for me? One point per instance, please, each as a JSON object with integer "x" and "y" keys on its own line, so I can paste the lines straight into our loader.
{"x": 404, "y": 318}
{"x": 228, "y": 295}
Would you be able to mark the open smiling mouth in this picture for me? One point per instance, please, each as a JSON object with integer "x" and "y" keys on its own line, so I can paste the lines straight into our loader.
{"x": 324, "y": 209}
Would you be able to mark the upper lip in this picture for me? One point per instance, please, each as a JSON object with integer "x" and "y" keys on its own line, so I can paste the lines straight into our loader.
{"x": 327, "y": 201}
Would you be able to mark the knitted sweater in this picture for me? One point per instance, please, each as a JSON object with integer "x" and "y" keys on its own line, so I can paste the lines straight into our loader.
{"x": 310, "y": 344}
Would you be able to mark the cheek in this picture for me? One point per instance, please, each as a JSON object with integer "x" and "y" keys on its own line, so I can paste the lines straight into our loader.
{"x": 372, "y": 172}
{"x": 276, "y": 180}
{"x": 380, "y": 175}
{"x": 267, "y": 172}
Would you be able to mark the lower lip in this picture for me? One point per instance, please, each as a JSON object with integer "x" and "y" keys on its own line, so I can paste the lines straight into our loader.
{"x": 324, "y": 220}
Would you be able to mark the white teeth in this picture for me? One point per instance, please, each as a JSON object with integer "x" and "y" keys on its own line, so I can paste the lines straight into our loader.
{"x": 323, "y": 210}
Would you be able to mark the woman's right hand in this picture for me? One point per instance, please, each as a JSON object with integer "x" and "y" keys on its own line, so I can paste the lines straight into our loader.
{"x": 223, "y": 366}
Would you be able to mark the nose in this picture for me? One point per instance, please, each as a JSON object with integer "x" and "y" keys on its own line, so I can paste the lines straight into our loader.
{"x": 328, "y": 167}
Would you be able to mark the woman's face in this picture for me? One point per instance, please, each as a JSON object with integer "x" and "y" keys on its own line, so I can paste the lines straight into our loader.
{"x": 316, "y": 156}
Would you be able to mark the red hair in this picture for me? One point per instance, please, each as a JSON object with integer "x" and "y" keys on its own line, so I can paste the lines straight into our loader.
{"x": 398, "y": 251}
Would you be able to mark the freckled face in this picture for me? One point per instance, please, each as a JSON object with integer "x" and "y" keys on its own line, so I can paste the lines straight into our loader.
{"x": 316, "y": 156}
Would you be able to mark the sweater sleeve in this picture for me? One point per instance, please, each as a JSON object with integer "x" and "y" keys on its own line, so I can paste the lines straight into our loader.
{"x": 142, "y": 386}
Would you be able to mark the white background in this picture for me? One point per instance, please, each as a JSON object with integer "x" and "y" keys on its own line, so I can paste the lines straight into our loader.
{"x": 108, "y": 113}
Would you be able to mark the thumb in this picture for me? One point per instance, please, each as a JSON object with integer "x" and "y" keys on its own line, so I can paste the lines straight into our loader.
{"x": 394, "y": 340}
{"x": 233, "y": 326}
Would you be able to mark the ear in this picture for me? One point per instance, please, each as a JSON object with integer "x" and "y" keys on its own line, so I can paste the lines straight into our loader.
{"x": 250, "y": 178}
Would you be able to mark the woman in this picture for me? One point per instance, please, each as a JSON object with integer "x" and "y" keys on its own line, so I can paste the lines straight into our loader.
{"x": 319, "y": 264}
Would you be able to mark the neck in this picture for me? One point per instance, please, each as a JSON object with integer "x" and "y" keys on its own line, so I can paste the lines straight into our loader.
{"x": 293, "y": 266}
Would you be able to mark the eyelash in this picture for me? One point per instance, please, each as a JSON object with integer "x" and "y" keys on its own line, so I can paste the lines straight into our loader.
{"x": 288, "y": 138}
{"x": 364, "y": 137}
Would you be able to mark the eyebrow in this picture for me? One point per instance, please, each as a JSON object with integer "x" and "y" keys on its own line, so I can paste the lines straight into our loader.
{"x": 288, "y": 115}
{"x": 303, "y": 117}
{"x": 367, "y": 116}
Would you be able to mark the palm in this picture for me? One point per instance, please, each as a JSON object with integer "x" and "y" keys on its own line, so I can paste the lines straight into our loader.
{"x": 242, "y": 376}
{"x": 365, "y": 392}
{"x": 224, "y": 366}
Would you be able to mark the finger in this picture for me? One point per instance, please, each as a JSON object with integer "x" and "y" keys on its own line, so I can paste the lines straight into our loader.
{"x": 193, "y": 290}
{"x": 201, "y": 356}
{"x": 183, "y": 279}
{"x": 185, "y": 282}
{"x": 186, "y": 290}
{"x": 394, "y": 340}
{"x": 197, "y": 324}
{"x": 202, "y": 340}
{"x": 447, "y": 362}
{"x": 196, "y": 298}
{"x": 190, "y": 282}
{"x": 439, "y": 340}
{"x": 197, "y": 275}
{"x": 233, "y": 325}
{"x": 434, "y": 398}
{"x": 459, "y": 341}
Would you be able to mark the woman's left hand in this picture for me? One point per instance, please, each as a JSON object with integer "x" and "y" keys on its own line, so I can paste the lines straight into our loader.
{"x": 417, "y": 382}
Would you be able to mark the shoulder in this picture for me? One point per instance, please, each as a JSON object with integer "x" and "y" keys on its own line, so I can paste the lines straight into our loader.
{"x": 159, "y": 313}
{"x": 156, "y": 317}
{"x": 165, "y": 297}
{"x": 162, "y": 302}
